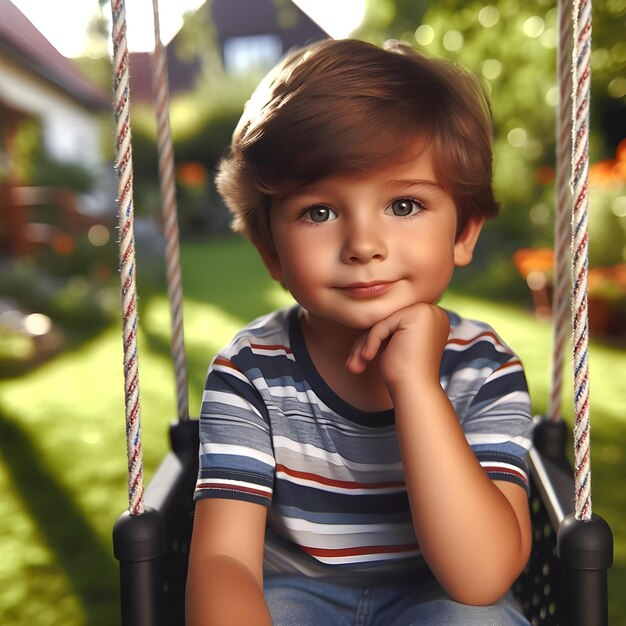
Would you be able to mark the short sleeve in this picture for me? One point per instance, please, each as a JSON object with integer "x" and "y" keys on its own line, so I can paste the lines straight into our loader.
{"x": 485, "y": 382}
{"x": 236, "y": 458}
{"x": 498, "y": 424}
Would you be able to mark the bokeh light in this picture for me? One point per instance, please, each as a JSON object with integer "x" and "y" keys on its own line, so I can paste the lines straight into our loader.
{"x": 98, "y": 235}
{"x": 618, "y": 52}
{"x": 488, "y": 16}
{"x": 37, "y": 324}
{"x": 516, "y": 137}
{"x": 534, "y": 26}
{"x": 618, "y": 206}
{"x": 424, "y": 35}
{"x": 552, "y": 96}
{"x": 540, "y": 214}
{"x": 549, "y": 39}
{"x": 492, "y": 68}
{"x": 617, "y": 87}
{"x": 453, "y": 41}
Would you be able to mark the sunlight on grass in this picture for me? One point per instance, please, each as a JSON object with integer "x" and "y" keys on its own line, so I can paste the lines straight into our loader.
{"x": 207, "y": 329}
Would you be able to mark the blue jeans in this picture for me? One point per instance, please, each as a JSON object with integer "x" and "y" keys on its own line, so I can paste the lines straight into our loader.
{"x": 301, "y": 601}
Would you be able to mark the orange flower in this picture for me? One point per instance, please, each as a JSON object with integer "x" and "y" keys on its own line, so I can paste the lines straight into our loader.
{"x": 63, "y": 244}
{"x": 620, "y": 153}
{"x": 544, "y": 175}
{"x": 192, "y": 174}
{"x": 611, "y": 170}
{"x": 529, "y": 260}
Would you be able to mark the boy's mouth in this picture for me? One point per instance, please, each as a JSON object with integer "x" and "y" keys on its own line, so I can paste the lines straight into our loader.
{"x": 367, "y": 290}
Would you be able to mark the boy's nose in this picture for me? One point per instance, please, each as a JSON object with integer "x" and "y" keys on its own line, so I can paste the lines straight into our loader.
{"x": 363, "y": 243}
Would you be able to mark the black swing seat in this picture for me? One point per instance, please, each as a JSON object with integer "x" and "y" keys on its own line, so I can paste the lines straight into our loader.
{"x": 153, "y": 548}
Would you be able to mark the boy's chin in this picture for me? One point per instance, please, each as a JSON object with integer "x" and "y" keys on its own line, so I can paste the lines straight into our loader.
{"x": 366, "y": 320}
{"x": 363, "y": 322}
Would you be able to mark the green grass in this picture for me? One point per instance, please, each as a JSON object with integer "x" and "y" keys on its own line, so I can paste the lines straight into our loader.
{"x": 63, "y": 458}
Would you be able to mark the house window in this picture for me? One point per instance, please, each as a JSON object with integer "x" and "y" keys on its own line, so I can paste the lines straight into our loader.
{"x": 243, "y": 54}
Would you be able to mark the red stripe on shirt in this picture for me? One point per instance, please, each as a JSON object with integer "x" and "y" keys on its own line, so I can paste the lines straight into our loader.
{"x": 507, "y": 470}
{"x": 344, "y": 484}
{"x": 359, "y": 550}
{"x": 279, "y": 347}
{"x": 465, "y": 342}
{"x": 229, "y": 487}
{"x": 220, "y": 360}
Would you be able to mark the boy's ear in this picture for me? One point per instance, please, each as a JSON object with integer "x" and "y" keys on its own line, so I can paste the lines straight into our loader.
{"x": 271, "y": 261}
{"x": 466, "y": 242}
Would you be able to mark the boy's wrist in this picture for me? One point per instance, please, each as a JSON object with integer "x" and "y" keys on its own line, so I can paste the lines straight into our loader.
{"x": 415, "y": 390}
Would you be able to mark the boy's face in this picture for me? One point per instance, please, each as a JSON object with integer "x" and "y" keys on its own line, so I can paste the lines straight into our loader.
{"x": 353, "y": 250}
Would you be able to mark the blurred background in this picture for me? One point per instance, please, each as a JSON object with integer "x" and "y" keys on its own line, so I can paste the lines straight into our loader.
{"x": 62, "y": 442}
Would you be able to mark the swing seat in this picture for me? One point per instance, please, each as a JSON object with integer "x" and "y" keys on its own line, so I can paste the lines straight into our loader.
{"x": 540, "y": 589}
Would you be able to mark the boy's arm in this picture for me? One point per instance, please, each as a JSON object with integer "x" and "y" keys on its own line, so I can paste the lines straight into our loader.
{"x": 225, "y": 578}
{"x": 474, "y": 532}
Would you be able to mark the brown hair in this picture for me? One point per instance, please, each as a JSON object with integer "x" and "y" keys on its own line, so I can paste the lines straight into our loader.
{"x": 346, "y": 107}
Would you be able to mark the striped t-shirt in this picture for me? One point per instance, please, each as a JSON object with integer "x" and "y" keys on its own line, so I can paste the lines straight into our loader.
{"x": 273, "y": 432}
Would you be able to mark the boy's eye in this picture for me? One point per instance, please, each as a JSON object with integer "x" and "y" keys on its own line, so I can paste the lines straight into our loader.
{"x": 320, "y": 213}
{"x": 404, "y": 207}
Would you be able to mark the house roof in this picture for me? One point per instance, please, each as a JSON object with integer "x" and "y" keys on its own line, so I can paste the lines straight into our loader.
{"x": 21, "y": 41}
{"x": 181, "y": 74}
{"x": 237, "y": 18}
{"x": 231, "y": 18}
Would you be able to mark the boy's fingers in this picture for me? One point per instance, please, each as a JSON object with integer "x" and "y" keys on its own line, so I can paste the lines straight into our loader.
{"x": 368, "y": 346}
{"x": 365, "y": 349}
{"x": 375, "y": 337}
{"x": 355, "y": 361}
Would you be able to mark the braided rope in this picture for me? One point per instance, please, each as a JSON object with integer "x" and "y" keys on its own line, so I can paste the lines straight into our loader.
{"x": 581, "y": 81}
{"x": 561, "y": 326}
{"x": 124, "y": 157}
{"x": 168, "y": 199}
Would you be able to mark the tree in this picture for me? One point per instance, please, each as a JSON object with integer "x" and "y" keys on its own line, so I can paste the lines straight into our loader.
{"x": 512, "y": 47}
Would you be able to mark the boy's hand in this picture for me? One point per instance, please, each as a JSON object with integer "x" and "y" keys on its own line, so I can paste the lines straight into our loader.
{"x": 410, "y": 343}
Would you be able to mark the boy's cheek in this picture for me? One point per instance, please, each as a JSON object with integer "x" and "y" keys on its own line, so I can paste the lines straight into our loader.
{"x": 272, "y": 262}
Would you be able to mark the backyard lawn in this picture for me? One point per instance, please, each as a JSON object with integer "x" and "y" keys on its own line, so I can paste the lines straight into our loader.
{"x": 63, "y": 457}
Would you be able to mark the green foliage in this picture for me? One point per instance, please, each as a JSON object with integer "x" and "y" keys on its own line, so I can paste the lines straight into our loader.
{"x": 390, "y": 18}
{"x": 196, "y": 43}
{"x": 98, "y": 69}
{"x": 512, "y": 47}
{"x": 207, "y": 140}
{"x": 607, "y": 226}
{"x": 74, "y": 290}
{"x": 32, "y": 165}
{"x": 202, "y": 125}
{"x": 48, "y": 172}
{"x": 26, "y": 145}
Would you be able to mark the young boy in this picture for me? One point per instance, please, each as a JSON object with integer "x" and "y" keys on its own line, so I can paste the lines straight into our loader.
{"x": 362, "y": 453}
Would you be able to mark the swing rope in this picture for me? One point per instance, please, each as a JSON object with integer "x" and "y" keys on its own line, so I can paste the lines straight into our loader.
{"x": 561, "y": 326}
{"x": 581, "y": 82}
{"x": 168, "y": 201}
{"x": 124, "y": 168}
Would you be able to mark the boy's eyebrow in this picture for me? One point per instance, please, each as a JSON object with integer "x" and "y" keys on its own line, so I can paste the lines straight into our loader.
{"x": 407, "y": 182}
{"x": 313, "y": 188}
{"x": 416, "y": 183}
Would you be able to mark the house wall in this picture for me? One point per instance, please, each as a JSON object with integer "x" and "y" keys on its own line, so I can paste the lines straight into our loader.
{"x": 70, "y": 131}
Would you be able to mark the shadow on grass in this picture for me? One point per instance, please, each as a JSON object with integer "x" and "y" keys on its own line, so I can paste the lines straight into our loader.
{"x": 88, "y": 566}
